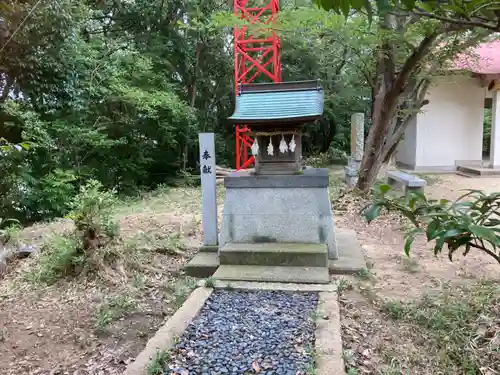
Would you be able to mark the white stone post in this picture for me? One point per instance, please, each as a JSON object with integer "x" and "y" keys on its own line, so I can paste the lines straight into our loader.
{"x": 208, "y": 189}
{"x": 495, "y": 131}
{"x": 357, "y": 148}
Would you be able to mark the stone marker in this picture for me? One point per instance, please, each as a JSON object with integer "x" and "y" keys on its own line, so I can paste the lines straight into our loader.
{"x": 208, "y": 189}
{"x": 357, "y": 147}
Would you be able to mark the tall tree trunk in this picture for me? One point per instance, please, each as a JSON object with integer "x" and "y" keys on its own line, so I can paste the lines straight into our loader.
{"x": 388, "y": 89}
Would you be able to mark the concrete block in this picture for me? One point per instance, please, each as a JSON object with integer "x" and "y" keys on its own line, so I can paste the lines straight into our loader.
{"x": 310, "y": 178}
{"x": 274, "y": 254}
{"x": 351, "y": 258}
{"x": 305, "y": 275}
{"x": 203, "y": 264}
{"x": 301, "y": 215}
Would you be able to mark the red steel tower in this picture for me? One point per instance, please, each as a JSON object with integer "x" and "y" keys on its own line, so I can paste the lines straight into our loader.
{"x": 254, "y": 57}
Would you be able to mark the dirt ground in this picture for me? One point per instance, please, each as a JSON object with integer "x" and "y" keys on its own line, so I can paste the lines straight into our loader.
{"x": 90, "y": 327}
{"x": 374, "y": 342}
{"x": 84, "y": 326}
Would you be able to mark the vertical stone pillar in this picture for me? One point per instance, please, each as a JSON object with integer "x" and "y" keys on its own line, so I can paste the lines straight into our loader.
{"x": 208, "y": 189}
{"x": 358, "y": 136}
{"x": 495, "y": 131}
{"x": 357, "y": 148}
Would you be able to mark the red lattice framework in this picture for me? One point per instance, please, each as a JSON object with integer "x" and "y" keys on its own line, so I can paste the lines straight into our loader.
{"x": 254, "y": 58}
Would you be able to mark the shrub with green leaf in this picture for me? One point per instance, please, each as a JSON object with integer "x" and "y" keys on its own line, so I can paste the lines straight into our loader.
{"x": 93, "y": 215}
{"x": 7, "y": 228}
{"x": 86, "y": 248}
{"x": 60, "y": 257}
{"x": 470, "y": 222}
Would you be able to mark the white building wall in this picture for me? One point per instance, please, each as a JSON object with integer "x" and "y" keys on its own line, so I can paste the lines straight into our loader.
{"x": 450, "y": 128}
{"x": 407, "y": 148}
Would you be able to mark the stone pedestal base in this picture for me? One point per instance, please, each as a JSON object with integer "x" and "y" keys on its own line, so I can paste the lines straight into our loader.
{"x": 351, "y": 172}
{"x": 280, "y": 208}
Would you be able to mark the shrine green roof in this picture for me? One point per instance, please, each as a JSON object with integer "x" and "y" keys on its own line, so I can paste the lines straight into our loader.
{"x": 279, "y": 102}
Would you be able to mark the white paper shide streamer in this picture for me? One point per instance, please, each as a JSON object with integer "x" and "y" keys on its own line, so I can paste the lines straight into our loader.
{"x": 283, "y": 145}
{"x": 292, "y": 144}
{"x": 270, "y": 148}
{"x": 255, "y": 148}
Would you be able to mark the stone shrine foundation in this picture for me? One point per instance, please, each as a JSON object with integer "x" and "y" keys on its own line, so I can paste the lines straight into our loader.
{"x": 279, "y": 209}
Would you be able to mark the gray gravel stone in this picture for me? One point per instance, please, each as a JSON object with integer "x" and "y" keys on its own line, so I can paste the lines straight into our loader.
{"x": 239, "y": 332}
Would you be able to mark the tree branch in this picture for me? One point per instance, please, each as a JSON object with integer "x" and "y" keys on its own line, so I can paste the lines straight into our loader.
{"x": 417, "y": 56}
{"x": 460, "y": 22}
{"x": 489, "y": 252}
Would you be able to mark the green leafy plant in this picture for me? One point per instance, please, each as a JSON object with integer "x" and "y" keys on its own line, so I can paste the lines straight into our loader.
{"x": 93, "y": 210}
{"x": 49, "y": 196}
{"x": 8, "y": 229}
{"x": 470, "y": 222}
{"x": 59, "y": 257}
{"x": 86, "y": 248}
{"x": 113, "y": 308}
{"x": 157, "y": 364}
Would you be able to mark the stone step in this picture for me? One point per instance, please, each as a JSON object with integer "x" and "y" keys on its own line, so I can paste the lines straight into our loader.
{"x": 274, "y": 254}
{"x": 203, "y": 264}
{"x": 468, "y": 170}
{"x": 301, "y": 275}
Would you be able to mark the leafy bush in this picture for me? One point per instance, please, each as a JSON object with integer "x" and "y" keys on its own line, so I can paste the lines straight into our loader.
{"x": 470, "y": 222}
{"x": 8, "y": 228}
{"x": 332, "y": 156}
{"x": 48, "y": 197}
{"x": 60, "y": 257}
{"x": 93, "y": 215}
{"x": 78, "y": 252}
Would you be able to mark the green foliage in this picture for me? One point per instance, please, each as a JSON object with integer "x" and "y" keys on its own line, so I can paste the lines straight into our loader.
{"x": 84, "y": 248}
{"x": 470, "y": 222}
{"x": 210, "y": 282}
{"x": 47, "y": 197}
{"x": 60, "y": 257}
{"x": 180, "y": 289}
{"x": 157, "y": 364}
{"x": 93, "y": 210}
{"x": 113, "y": 308}
{"x": 476, "y": 12}
{"x": 487, "y": 131}
{"x": 8, "y": 229}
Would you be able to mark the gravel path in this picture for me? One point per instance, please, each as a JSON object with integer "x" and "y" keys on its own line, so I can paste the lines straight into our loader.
{"x": 248, "y": 333}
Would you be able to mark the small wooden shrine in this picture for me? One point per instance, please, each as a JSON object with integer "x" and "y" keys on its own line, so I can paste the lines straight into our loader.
{"x": 277, "y": 113}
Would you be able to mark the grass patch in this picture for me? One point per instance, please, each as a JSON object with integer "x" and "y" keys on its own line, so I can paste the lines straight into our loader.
{"x": 462, "y": 327}
{"x": 113, "y": 308}
{"x": 311, "y": 368}
{"x": 210, "y": 282}
{"x": 365, "y": 274}
{"x": 180, "y": 289}
{"x": 343, "y": 285}
{"x": 157, "y": 364}
{"x": 59, "y": 257}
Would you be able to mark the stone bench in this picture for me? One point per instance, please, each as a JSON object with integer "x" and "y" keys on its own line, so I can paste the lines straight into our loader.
{"x": 405, "y": 181}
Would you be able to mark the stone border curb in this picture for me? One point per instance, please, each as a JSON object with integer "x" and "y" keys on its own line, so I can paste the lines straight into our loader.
{"x": 165, "y": 337}
{"x": 328, "y": 348}
{"x": 282, "y": 287}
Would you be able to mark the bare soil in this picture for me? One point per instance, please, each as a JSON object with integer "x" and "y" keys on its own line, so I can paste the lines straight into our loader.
{"x": 85, "y": 326}
{"x": 375, "y": 342}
